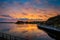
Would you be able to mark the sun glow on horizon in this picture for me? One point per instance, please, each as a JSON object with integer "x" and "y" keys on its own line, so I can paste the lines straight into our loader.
{"x": 30, "y": 13}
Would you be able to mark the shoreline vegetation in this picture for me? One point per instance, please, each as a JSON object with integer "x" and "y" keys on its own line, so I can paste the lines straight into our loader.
{"x": 53, "y": 21}
{"x": 32, "y": 22}
{"x": 7, "y": 22}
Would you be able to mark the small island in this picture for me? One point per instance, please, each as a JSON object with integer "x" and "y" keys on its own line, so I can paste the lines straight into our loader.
{"x": 31, "y": 22}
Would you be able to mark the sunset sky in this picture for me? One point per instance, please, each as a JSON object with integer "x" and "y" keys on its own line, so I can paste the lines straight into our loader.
{"x": 12, "y": 10}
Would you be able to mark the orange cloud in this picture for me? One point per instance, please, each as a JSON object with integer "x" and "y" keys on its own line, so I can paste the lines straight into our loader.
{"x": 29, "y": 11}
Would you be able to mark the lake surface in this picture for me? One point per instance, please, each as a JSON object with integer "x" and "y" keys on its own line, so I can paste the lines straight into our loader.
{"x": 28, "y": 31}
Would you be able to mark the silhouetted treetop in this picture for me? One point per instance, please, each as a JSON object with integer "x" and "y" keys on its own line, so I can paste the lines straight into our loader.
{"x": 53, "y": 20}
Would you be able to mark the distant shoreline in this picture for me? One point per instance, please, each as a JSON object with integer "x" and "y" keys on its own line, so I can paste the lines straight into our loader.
{"x": 7, "y": 22}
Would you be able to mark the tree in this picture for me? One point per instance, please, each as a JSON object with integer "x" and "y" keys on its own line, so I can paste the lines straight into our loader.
{"x": 53, "y": 20}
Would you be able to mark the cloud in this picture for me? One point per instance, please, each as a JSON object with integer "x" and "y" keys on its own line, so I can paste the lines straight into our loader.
{"x": 7, "y": 20}
{"x": 31, "y": 9}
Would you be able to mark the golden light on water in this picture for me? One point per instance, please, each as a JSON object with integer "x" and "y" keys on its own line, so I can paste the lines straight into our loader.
{"x": 24, "y": 27}
{"x": 27, "y": 31}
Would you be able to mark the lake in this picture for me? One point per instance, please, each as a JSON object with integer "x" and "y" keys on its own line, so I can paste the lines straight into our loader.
{"x": 28, "y": 31}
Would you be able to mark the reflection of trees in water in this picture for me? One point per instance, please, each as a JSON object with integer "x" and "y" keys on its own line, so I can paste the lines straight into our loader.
{"x": 53, "y": 34}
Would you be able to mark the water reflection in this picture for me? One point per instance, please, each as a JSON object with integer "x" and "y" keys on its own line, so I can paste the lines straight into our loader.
{"x": 28, "y": 31}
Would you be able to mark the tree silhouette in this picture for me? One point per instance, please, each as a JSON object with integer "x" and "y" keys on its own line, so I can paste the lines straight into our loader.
{"x": 53, "y": 20}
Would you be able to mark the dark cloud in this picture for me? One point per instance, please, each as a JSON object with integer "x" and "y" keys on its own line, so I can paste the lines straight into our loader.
{"x": 6, "y": 16}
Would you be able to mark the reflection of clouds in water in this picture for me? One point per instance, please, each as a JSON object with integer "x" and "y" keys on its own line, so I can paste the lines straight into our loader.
{"x": 28, "y": 31}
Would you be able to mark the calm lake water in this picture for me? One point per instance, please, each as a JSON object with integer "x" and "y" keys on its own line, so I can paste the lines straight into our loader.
{"x": 29, "y": 31}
